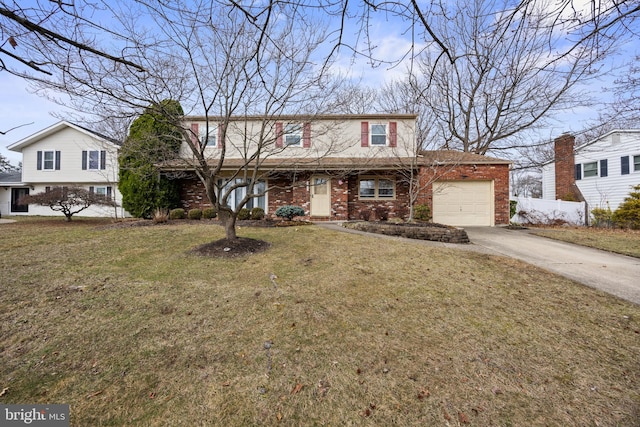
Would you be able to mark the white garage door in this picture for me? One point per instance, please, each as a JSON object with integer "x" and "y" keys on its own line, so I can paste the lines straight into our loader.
{"x": 463, "y": 203}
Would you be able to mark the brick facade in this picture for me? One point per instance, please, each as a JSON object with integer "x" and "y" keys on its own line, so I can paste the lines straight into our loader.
{"x": 498, "y": 173}
{"x": 345, "y": 202}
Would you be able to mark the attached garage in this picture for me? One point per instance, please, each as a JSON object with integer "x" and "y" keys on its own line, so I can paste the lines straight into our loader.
{"x": 464, "y": 203}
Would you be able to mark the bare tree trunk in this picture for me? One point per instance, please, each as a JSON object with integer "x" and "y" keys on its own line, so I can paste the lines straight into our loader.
{"x": 228, "y": 220}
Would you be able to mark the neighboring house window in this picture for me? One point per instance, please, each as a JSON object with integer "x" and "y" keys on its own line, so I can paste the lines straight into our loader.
{"x": 379, "y": 134}
{"x": 94, "y": 160}
{"x": 604, "y": 168}
{"x": 48, "y": 160}
{"x": 590, "y": 169}
{"x": 636, "y": 163}
{"x": 102, "y": 190}
{"x": 238, "y": 194}
{"x": 624, "y": 165}
{"x": 377, "y": 188}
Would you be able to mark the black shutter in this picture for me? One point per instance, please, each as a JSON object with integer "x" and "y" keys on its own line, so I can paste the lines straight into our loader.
{"x": 578, "y": 172}
{"x": 57, "y": 160}
{"x": 84, "y": 160}
{"x": 109, "y": 192}
{"x": 39, "y": 162}
{"x": 91, "y": 189}
{"x": 103, "y": 159}
{"x": 624, "y": 165}
{"x": 604, "y": 168}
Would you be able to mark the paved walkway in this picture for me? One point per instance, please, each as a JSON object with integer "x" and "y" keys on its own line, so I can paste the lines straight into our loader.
{"x": 616, "y": 274}
{"x": 6, "y": 221}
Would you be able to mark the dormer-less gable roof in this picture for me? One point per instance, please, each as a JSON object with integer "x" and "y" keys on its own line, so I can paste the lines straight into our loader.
{"x": 44, "y": 133}
{"x": 607, "y": 135}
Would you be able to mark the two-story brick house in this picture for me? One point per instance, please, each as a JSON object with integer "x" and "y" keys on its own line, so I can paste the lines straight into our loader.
{"x": 65, "y": 154}
{"x": 345, "y": 167}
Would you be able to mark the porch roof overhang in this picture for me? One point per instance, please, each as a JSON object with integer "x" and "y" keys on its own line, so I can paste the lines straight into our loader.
{"x": 343, "y": 164}
{"x": 338, "y": 164}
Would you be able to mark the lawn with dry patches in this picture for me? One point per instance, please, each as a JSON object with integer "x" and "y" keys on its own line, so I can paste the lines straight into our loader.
{"x": 323, "y": 328}
{"x": 621, "y": 241}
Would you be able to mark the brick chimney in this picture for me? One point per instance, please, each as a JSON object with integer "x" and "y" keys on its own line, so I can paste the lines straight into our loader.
{"x": 566, "y": 188}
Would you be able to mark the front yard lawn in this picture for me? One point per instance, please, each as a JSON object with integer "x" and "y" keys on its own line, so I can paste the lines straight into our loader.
{"x": 323, "y": 328}
{"x": 625, "y": 242}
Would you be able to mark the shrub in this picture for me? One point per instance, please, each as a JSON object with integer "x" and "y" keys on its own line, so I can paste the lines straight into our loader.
{"x": 513, "y": 208}
{"x": 422, "y": 213}
{"x": 289, "y": 212}
{"x": 257, "y": 213}
{"x": 208, "y": 213}
{"x": 244, "y": 214}
{"x": 628, "y": 213}
{"x": 602, "y": 217}
{"x": 176, "y": 213}
{"x": 160, "y": 216}
{"x": 382, "y": 213}
{"x": 365, "y": 214}
{"x": 195, "y": 213}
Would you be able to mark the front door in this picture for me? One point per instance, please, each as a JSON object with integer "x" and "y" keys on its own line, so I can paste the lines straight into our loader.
{"x": 320, "y": 196}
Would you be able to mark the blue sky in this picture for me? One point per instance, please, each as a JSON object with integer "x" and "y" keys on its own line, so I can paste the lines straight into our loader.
{"x": 21, "y": 107}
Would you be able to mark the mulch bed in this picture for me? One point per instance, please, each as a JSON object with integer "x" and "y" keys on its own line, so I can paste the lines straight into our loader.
{"x": 225, "y": 248}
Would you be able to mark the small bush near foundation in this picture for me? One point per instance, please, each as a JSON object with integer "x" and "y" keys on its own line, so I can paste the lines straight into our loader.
{"x": 365, "y": 214}
{"x": 602, "y": 217}
{"x": 513, "y": 208}
{"x": 382, "y": 213}
{"x": 208, "y": 213}
{"x": 257, "y": 213}
{"x": 244, "y": 214}
{"x": 422, "y": 213}
{"x": 176, "y": 213}
{"x": 195, "y": 214}
{"x": 160, "y": 216}
{"x": 289, "y": 212}
{"x": 628, "y": 213}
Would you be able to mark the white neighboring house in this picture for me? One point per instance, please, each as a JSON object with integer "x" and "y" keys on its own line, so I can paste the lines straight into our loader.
{"x": 63, "y": 154}
{"x": 603, "y": 170}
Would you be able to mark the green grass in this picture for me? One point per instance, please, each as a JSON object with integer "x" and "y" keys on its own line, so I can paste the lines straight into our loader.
{"x": 127, "y": 328}
{"x": 625, "y": 242}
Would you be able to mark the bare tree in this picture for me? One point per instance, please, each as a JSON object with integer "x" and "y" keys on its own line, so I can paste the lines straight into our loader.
{"x": 225, "y": 69}
{"x": 68, "y": 200}
{"x": 31, "y": 32}
{"x": 509, "y": 75}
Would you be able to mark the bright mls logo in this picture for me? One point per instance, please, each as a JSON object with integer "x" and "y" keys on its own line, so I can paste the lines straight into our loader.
{"x": 35, "y": 415}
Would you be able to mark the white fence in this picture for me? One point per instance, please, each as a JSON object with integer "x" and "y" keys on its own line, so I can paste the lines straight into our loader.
{"x": 539, "y": 211}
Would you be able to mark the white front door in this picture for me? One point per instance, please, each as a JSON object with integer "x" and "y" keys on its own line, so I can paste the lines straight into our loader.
{"x": 320, "y": 196}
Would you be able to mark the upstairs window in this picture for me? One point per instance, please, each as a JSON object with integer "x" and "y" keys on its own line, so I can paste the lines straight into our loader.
{"x": 378, "y": 134}
{"x": 48, "y": 160}
{"x": 209, "y": 140}
{"x": 590, "y": 169}
{"x": 293, "y": 135}
{"x": 94, "y": 160}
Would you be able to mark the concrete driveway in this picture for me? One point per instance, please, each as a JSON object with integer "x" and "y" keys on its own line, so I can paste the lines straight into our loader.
{"x": 616, "y": 274}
